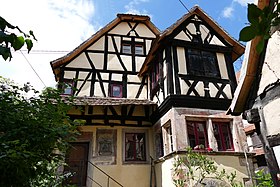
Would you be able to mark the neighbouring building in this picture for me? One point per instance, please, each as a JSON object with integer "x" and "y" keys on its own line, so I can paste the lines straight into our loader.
{"x": 146, "y": 95}
{"x": 258, "y": 98}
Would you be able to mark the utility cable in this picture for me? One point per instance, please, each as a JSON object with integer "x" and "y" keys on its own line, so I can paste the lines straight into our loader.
{"x": 33, "y": 68}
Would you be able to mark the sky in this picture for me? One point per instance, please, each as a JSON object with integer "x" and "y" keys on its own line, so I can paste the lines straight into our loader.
{"x": 62, "y": 25}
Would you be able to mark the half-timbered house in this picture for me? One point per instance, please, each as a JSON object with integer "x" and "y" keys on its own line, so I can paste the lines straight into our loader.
{"x": 146, "y": 95}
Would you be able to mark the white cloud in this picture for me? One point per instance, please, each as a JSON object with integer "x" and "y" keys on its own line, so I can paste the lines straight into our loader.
{"x": 131, "y": 7}
{"x": 228, "y": 12}
{"x": 244, "y": 2}
{"x": 58, "y": 25}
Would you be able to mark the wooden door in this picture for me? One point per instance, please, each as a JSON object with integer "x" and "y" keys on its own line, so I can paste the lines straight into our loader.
{"x": 76, "y": 159}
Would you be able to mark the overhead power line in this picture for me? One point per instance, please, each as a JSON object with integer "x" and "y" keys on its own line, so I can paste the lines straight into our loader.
{"x": 184, "y": 5}
{"x": 33, "y": 68}
{"x": 43, "y": 51}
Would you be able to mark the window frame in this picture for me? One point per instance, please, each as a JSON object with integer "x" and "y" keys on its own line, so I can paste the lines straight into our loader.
{"x": 195, "y": 133}
{"x": 201, "y": 69}
{"x": 221, "y": 136}
{"x": 145, "y": 143}
{"x": 111, "y": 94}
{"x": 168, "y": 138}
{"x": 155, "y": 75}
{"x": 132, "y": 48}
{"x": 142, "y": 49}
{"x": 129, "y": 49}
{"x": 67, "y": 84}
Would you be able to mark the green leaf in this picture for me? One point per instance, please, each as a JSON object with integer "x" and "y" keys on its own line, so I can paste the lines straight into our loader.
{"x": 247, "y": 33}
{"x": 5, "y": 52}
{"x": 260, "y": 46}
{"x": 29, "y": 44}
{"x": 32, "y": 34}
{"x": 253, "y": 13}
{"x": 3, "y": 36}
{"x": 3, "y": 23}
{"x": 18, "y": 43}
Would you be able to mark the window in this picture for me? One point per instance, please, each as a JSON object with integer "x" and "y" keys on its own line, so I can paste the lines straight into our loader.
{"x": 223, "y": 136}
{"x": 67, "y": 87}
{"x": 139, "y": 49}
{"x": 155, "y": 75}
{"x": 159, "y": 144}
{"x": 116, "y": 90}
{"x": 203, "y": 63}
{"x": 129, "y": 47}
{"x": 197, "y": 134}
{"x": 169, "y": 140}
{"x": 135, "y": 147}
{"x": 126, "y": 48}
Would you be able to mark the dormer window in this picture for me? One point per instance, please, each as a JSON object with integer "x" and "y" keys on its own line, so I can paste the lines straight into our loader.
{"x": 203, "y": 63}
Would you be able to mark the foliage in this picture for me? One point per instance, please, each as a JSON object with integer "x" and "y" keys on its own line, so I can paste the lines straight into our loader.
{"x": 13, "y": 37}
{"x": 34, "y": 131}
{"x": 192, "y": 168}
{"x": 261, "y": 21}
{"x": 263, "y": 179}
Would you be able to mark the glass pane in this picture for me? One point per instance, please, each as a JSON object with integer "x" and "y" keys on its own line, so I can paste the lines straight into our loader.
{"x": 217, "y": 136}
{"x": 191, "y": 134}
{"x": 67, "y": 89}
{"x": 126, "y": 48}
{"x": 139, "y": 50}
{"x": 116, "y": 91}
{"x": 201, "y": 134}
{"x": 227, "y": 136}
{"x": 135, "y": 147}
{"x": 210, "y": 64}
{"x": 195, "y": 63}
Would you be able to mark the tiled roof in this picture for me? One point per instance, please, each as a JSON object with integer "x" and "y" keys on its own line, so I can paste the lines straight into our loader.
{"x": 102, "y": 101}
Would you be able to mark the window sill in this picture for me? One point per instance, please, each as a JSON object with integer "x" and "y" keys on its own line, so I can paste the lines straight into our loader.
{"x": 135, "y": 162}
{"x": 218, "y": 153}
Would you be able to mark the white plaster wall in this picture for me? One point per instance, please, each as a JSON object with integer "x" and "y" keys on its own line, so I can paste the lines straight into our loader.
{"x": 113, "y": 63}
{"x": 69, "y": 74}
{"x": 122, "y": 29}
{"x": 216, "y": 41}
{"x": 139, "y": 62}
{"x": 143, "y": 30}
{"x": 222, "y": 65}
{"x": 80, "y": 61}
{"x": 271, "y": 67}
{"x": 97, "y": 60}
{"x": 182, "y": 36}
{"x": 184, "y": 87}
{"x": 272, "y": 117}
{"x": 230, "y": 163}
{"x": 111, "y": 47}
{"x": 276, "y": 150}
{"x": 85, "y": 91}
{"x": 98, "y": 45}
{"x": 182, "y": 62}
